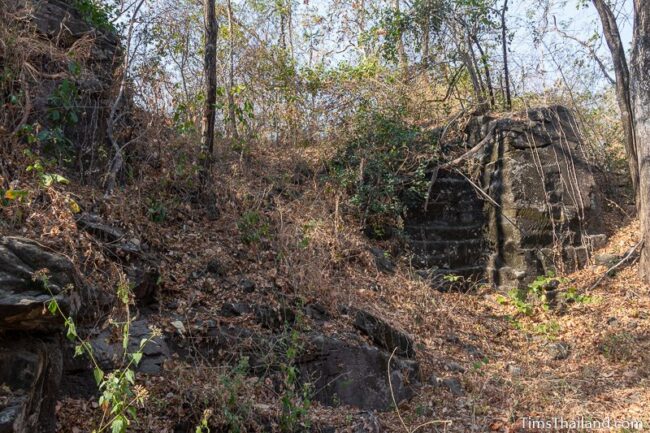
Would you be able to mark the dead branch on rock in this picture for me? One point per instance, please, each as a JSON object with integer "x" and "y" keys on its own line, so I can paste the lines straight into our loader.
{"x": 473, "y": 151}
{"x": 627, "y": 257}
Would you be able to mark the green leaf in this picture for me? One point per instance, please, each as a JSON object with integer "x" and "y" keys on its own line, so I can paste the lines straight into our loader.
{"x": 15, "y": 194}
{"x": 47, "y": 180}
{"x": 118, "y": 425}
{"x": 98, "y": 374}
{"x": 130, "y": 376}
{"x": 71, "y": 334}
{"x": 52, "y": 306}
{"x": 78, "y": 350}
{"x": 137, "y": 357}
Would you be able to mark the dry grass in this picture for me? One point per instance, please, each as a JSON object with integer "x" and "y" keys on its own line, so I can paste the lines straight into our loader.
{"x": 315, "y": 252}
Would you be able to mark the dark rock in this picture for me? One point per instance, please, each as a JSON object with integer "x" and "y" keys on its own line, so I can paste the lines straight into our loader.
{"x": 323, "y": 429}
{"x": 247, "y": 286}
{"x": 144, "y": 278}
{"x": 453, "y": 339}
{"x": 230, "y": 309}
{"x": 356, "y": 374}
{"x": 274, "y": 318}
{"x": 559, "y": 351}
{"x": 22, "y": 299}
{"x": 474, "y": 351}
{"x": 77, "y": 380}
{"x": 30, "y": 372}
{"x": 301, "y": 173}
{"x": 607, "y": 259}
{"x": 214, "y": 267}
{"x": 384, "y": 334}
{"x": 367, "y": 422}
{"x": 113, "y": 238}
{"x": 93, "y": 224}
{"x": 382, "y": 260}
{"x": 225, "y": 343}
{"x": 455, "y": 367}
{"x": 454, "y": 385}
{"x": 107, "y": 347}
{"x": 317, "y": 312}
{"x": 141, "y": 268}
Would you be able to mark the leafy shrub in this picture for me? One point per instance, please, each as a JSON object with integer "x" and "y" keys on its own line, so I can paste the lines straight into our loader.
{"x": 156, "y": 210}
{"x": 295, "y": 397}
{"x": 96, "y": 13}
{"x": 120, "y": 394}
{"x": 525, "y": 299}
{"x": 383, "y": 168}
{"x": 253, "y": 227}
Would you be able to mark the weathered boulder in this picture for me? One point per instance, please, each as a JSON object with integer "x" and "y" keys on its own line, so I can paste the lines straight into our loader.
{"x": 23, "y": 299}
{"x": 30, "y": 337}
{"x": 141, "y": 268}
{"x": 356, "y": 374}
{"x": 30, "y": 371}
{"x": 108, "y": 351}
{"x": 384, "y": 334}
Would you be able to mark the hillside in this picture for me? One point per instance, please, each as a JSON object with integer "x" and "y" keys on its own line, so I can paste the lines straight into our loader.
{"x": 423, "y": 269}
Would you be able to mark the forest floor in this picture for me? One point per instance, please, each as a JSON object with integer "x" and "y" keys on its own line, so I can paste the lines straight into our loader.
{"x": 280, "y": 228}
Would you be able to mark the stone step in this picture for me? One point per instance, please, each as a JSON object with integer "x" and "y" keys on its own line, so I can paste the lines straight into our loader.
{"x": 446, "y": 260}
{"x": 442, "y": 233}
{"x": 453, "y": 215}
{"x": 461, "y": 248}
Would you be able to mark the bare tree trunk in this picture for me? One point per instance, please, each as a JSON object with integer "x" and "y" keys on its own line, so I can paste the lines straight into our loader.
{"x": 401, "y": 50}
{"x": 425, "y": 44}
{"x": 486, "y": 70}
{"x": 210, "y": 72}
{"x": 640, "y": 99}
{"x": 472, "y": 56}
{"x": 621, "y": 71}
{"x": 504, "y": 45}
{"x": 118, "y": 159}
{"x": 461, "y": 37}
{"x": 232, "y": 119}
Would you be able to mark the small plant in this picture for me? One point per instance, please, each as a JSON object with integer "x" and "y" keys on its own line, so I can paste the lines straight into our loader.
{"x": 618, "y": 347}
{"x": 572, "y": 295}
{"x": 156, "y": 210}
{"x": 521, "y": 298}
{"x": 233, "y": 409}
{"x": 252, "y": 227}
{"x": 203, "y": 425}
{"x": 306, "y": 230}
{"x": 63, "y": 103}
{"x": 550, "y": 329}
{"x": 518, "y": 299}
{"x": 46, "y": 179}
{"x": 120, "y": 394}
{"x": 295, "y": 398}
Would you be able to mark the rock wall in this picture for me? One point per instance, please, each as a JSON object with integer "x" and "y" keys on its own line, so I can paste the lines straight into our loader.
{"x": 67, "y": 89}
{"x": 538, "y": 210}
{"x": 30, "y": 337}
